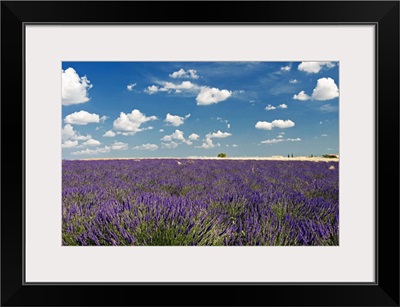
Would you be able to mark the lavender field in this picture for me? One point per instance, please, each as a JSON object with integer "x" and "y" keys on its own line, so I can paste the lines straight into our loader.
{"x": 184, "y": 202}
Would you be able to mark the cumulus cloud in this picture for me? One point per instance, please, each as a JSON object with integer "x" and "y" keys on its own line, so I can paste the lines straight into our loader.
{"x": 109, "y": 134}
{"x": 301, "y": 96}
{"x": 130, "y": 87}
{"x": 69, "y": 144}
{"x": 74, "y": 89}
{"x": 210, "y": 95}
{"x": 218, "y": 134}
{"x": 147, "y": 146}
{"x": 277, "y": 123}
{"x": 68, "y": 133}
{"x": 178, "y": 136}
{"x": 326, "y": 89}
{"x": 129, "y": 124}
{"x": 185, "y": 86}
{"x": 152, "y": 89}
{"x": 294, "y": 81}
{"x": 161, "y": 130}
{"x": 286, "y": 68}
{"x": 91, "y": 142}
{"x": 181, "y": 73}
{"x": 208, "y": 142}
{"x": 175, "y": 120}
{"x": 314, "y": 67}
{"x": 119, "y": 146}
{"x": 324, "y": 134}
{"x": 96, "y": 151}
{"x": 81, "y": 118}
{"x": 194, "y": 137}
{"x": 270, "y": 107}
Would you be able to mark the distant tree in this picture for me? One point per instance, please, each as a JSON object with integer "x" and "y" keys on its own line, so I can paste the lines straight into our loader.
{"x": 330, "y": 156}
{"x": 292, "y": 155}
{"x": 288, "y": 156}
{"x": 222, "y": 155}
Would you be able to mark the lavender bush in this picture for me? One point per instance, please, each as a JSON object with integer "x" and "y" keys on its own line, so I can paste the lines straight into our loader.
{"x": 187, "y": 202}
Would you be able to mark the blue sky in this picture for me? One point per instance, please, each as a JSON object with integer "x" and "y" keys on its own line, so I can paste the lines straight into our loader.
{"x": 184, "y": 109}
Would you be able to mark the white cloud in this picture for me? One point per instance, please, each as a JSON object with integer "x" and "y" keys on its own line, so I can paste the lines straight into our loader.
{"x": 194, "y": 137}
{"x": 301, "y": 96}
{"x": 326, "y": 89}
{"x": 119, "y": 146}
{"x": 272, "y": 141}
{"x": 130, "y": 86}
{"x": 109, "y": 134}
{"x": 278, "y": 123}
{"x": 81, "y": 118}
{"x": 286, "y": 68}
{"x": 103, "y": 118}
{"x": 185, "y": 86}
{"x": 270, "y": 107}
{"x": 209, "y": 95}
{"x": 280, "y": 140}
{"x": 264, "y": 125}
{"x": 91, "y": 142}
{"x": 181, "y": 73}
{"x": 234, "y": 145}
{"x": 207, "y": 143}
{"x": 130, "y": 123}
{"x": 161, "y": 130}
{"x": 146, "y": 147}
{"x": 314, "y": 67}
{"x": 96, "y": 151}
{"x": 294, "y": 81}
{"x": 152, "y": 89}
{"x": 294, "y": 140}
{"x": 69, "y": 144}
{"x": 324, "y": 135}
{"x": 169, "y": 145}
{"x": 74, "y": 88}
{"x": 68, "y": 133}
{"x": 218, "y": 134}
{"x": 281, "y": 133}
{"x": 177, "y": 135}
{"x": 175, "y": 120}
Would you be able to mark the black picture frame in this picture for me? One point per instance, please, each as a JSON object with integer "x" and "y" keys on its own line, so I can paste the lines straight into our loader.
{"x": 383, "y": 14}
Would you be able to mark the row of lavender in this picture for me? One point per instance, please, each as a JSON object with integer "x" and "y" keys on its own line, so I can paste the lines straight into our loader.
{"x": 200, "y": 202}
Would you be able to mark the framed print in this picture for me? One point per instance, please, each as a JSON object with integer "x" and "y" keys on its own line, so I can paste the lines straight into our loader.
{"x": 252, "y": 151}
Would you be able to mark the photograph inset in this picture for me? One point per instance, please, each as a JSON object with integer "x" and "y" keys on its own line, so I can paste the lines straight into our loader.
{"x": 200, "y": 153}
